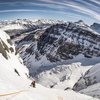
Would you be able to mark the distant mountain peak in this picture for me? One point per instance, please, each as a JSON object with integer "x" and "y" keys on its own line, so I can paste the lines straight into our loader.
{"x": 81, "y": 23}
{"x": 95, "y": 27}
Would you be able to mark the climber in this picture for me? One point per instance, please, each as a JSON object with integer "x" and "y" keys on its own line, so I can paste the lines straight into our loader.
{"x": 33, "y": 84}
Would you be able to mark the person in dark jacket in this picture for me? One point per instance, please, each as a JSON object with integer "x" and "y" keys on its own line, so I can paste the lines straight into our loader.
{"x": 33, "y": 84}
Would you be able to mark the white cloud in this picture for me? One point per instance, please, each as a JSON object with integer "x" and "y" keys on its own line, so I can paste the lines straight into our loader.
{"x": 64, "y": 5}
{"x": 76, "y": 7}
{"x": 95, "y": 1}
{"x": 18, "y": 10}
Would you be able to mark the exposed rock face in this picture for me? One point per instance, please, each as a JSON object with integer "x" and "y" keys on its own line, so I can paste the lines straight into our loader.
{"x": 4, "y": 48}
{"x": 64, "y": 41}
{"x": 70, "y": 40}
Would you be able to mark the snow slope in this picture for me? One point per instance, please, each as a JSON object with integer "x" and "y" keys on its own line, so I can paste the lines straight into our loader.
{"x": 62, "y": 76}
{"x": 92, "y": 76}
{"x": 47, "y": 94}
{"x": 90, "y": 83}
{"x": 92, "y": 90}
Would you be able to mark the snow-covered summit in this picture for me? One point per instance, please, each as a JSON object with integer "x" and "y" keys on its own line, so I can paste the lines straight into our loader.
{"x": 81, "y": 23}
{"x": 96, "y": 27}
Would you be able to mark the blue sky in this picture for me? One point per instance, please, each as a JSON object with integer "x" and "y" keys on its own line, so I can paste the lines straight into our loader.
{"x": 67, "y": 10}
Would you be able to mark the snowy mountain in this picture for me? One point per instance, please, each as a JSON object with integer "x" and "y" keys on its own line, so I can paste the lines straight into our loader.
{"x": 90, "y": 82}
{"x": 81, "y": 23}
{"x": 57, "y": 43}
{"x": 92, "y": 90}
{"x": 15, "y": 82}
{"x": 96, "y": 27}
